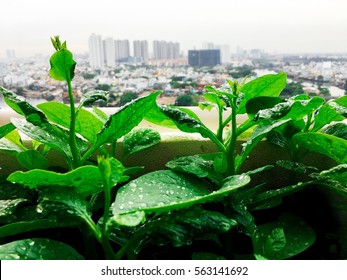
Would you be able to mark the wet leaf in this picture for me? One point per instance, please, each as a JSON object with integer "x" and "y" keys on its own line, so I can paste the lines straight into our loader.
{"x": 125, "y": 119}
{"x": 338, "y": 173}
{"x": 139, "y": 139}
{"x": 111, "y": 171}
{"x": 163, "y": 191}
{"x": 19, "y": 227}
{"x": 336, "y": 129}
{"x": 38, "y": 249}
{"x": 267, "y": 85}
{"x": 183, "y": 227}
{"x": 84, "y": 180}
{"x": 8, "y": 206}
{"x": 283, "y": 238}
{"x": 200, "y": 165}
{"x": 49, "y": 135}
{"x": 334, "y": 110}
{"x": 331, "y": 146}
{"x": 87, "y": 124}
{"x": 9, "y": 147}
{"x": 90, "y": 97}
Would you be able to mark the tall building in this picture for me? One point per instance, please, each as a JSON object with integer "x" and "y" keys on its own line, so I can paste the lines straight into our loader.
{"x": 198, "y": 58}
{"x": 10, "y": 54}
{"x": 166, "y": 50}
{"x": 141, "y": 49}
{"x": 96, "y": 51}
{"x": 224, "y": 53}
{"x": 224, "y": 50}
{"x": 110, "y": 52}
{"x": 122, "y": 50}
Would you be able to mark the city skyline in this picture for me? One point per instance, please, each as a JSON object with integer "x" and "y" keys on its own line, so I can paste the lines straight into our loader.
{"x": 286, "y": 26}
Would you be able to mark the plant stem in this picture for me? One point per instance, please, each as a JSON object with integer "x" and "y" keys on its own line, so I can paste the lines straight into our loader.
{"x": 72, "y": 140}
{"x": 220, "y": 124}
{"x": 231, "y": 147}
{"x": 105, "y": 241}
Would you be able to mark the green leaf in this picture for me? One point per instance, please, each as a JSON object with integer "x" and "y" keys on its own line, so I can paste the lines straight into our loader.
{"x": 32, "y": 159}
{"x": 338, "y": 173}
{"x": 6, "y": 129}
{"x": 336, "y": 129}
{"x": 214, "y": 99}
{"x": 283, "y": 238}
{"x": 111, "y": 170}
{"x": 50, "y": 135}
{"x": 8, "y": 206}
{"x": 156, "y": 116}
{"x": 20, "y": 227}
{"x": 163, "y": 191}
{"x": 131, "y": 219}
{"x": 183, "y": 227}
{"x": 257, "y": 135}
{"x": 9, "y": 147}
{"x": 139, "y": 139}
{"x": 87, "y": 124}
{"x": 292, "y": 108}
{"x": 297, "y": 167}
{"x": 64, "y": 205}
{"x": 331, "y": 146}
{"x": 90, "y": 97}
{"x": 101, "y": 115}
{"x": 125, "y": 119}
{"x": 201, "y": 166}
{"x": 85, "y": 180}
{"x": 254, "y": 105}
{"x": 267, "y": 85}
{"x": 15, "y": 138}
{"x": 38, "y": 249}
{"x": 187, "y": 123}
{"x": 62, "y": 65}
{"x": 334, "y": 110}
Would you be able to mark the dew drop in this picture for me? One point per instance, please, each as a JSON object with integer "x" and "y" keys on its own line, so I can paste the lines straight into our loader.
{"x": 39, "y": 209}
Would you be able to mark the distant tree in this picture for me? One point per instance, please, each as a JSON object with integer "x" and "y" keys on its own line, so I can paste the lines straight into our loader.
{"x": 324, "y": 92}
{"x": 88, "y": 76}
{"x": 292, "y": 89}
{"x": 320, "y": 81}
{"x": 127, "y": 97}
{"x": 104, "y": 87}
{"x": 184, "y": 100}
{"x": 19, "y": 91}
{"x": 242, "y": 71}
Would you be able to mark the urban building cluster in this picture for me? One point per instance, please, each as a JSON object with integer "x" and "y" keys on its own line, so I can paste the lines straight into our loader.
{"x": 112, "y": 66}
{"x": 106, "y": 53}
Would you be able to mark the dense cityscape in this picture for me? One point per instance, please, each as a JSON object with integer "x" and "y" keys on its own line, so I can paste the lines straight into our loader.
{"x": 130, "y": 70}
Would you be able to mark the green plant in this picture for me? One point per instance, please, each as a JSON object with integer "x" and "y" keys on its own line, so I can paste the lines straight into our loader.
{"x": 207, "y": 198}
{"x": 198, "y": 180}
{"x": 44, "y": 199}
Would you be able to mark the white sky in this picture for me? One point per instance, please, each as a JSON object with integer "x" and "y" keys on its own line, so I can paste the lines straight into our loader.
{"x": 272, "y": 25}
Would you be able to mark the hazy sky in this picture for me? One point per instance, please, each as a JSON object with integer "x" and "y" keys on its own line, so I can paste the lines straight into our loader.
{"x": 272, "y": 25}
